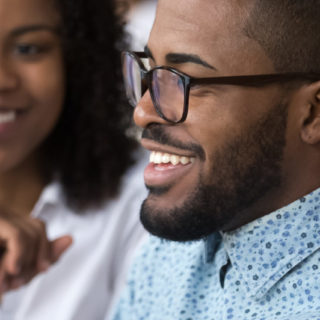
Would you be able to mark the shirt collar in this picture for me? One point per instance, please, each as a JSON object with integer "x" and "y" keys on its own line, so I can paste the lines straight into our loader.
{"x": 51, "y": 195}
{"x": 211, "y": 245}
{"x": 212, "y": 253}
{"x": 263, "y": 251}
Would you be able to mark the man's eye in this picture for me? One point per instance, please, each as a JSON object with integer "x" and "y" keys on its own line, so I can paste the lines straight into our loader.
{"x": 202, "y": 91}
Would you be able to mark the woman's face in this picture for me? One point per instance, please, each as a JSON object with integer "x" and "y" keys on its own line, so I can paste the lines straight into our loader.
{"x": 32, "y": 79}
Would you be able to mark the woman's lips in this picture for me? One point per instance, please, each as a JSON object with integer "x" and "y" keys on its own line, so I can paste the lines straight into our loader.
{"x": 7, "y": 116}
{"x": 9, "y": 121}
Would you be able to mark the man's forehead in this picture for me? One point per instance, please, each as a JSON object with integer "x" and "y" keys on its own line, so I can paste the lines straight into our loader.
{"x": 201, "y": 18}
{"x": 195, "y": 8}
{"x": 211, "y": 29}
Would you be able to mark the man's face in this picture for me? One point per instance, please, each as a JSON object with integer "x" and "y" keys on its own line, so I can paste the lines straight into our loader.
{"x": 233, "y": 139}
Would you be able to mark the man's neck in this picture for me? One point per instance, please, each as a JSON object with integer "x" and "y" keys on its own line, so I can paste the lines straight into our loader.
{"x": 274, "y": 200}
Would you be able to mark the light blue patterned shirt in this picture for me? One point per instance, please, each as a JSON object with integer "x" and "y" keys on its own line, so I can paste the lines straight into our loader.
{"x": 268, "y": 269}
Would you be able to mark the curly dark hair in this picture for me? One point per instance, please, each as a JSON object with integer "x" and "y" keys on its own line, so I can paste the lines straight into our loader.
{"x": 89, "y": 149}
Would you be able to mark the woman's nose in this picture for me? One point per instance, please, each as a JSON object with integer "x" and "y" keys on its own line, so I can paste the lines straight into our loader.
{"x": 8, "y": 76}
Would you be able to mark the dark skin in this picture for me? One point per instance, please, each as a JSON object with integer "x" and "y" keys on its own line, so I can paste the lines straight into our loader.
{"x": 230, "y": 107}
{"x": 215, "y": 36}
{"x": 88, "y": 174}
{"x": 30, "y": 49}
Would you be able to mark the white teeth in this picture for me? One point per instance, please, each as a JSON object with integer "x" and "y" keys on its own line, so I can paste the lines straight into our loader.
{"x": 174, "y": 159}
{"x": 159, "y": 157}
{"x": 184, "y": 160}
{"x": 7, "y": 116}
{"x": 166, "y": 158}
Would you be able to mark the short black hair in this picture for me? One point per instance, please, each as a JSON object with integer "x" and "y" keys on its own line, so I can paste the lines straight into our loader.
{"x": 289, "y": 32}
{"x": 89, "y": 150}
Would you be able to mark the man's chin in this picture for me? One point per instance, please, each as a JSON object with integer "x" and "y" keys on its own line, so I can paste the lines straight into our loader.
{"x": 176, "y": 224}
{"x": 157, "y": 191}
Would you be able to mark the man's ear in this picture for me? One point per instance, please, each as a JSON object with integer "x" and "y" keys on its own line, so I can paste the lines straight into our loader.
{"x": 310, "y": 122}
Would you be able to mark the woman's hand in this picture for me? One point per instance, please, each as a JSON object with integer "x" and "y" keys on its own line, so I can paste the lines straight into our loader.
{"x": 25, "y": 249}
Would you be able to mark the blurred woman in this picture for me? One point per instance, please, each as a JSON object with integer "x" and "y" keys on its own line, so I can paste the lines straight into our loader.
{"x": 65, "y": 159}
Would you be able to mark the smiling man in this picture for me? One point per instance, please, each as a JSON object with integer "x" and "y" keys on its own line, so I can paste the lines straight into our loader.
{"x": 230, "y": 110}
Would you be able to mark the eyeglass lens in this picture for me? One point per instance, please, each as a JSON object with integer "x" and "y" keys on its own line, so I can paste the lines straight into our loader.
{"x": 166, "y": 88}
{"x": 168, "y": 93}
{"x": 132, "y": 79}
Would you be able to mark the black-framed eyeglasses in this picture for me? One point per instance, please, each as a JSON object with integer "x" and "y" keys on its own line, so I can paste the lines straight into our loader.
{"x": 170, "y": 88}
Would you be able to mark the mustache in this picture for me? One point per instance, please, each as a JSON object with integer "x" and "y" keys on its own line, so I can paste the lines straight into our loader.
{"x": 157, "y": 133}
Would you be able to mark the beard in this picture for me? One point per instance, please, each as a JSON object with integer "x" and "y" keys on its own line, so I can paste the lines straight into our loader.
{"x": 245, "y": 169}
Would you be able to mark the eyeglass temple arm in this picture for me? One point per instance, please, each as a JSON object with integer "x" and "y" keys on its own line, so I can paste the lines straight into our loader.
{"x": 140, "y": 54}
{"x": 256, "y": 79}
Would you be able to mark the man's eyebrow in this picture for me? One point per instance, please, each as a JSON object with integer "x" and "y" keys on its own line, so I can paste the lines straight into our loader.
{"x": 179, "y": 58}
{"x": 33, "y": 28}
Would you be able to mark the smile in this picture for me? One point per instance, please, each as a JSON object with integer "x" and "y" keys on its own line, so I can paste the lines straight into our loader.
{"x": 165, "y": 158}
{"x": 166, "y": 168}
{"x": 7, "y": 116}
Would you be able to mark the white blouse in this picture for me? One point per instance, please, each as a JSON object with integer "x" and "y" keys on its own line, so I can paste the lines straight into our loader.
{"x": 86, "y": 280}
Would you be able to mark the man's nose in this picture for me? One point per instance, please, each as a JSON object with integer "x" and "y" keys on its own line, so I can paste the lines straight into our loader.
{"x": 145, "y": 112}
{"x": 8, "y": 76}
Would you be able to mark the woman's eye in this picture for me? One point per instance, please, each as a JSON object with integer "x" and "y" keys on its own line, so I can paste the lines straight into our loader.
{"x": 27, "y": 49}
